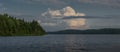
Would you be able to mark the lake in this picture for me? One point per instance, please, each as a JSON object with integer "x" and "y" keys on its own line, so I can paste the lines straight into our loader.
{"x": 61, "y": 43}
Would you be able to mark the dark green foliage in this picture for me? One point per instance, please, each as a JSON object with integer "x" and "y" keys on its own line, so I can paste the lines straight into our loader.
{"x": 10, "y": 26}
{"x": 89, "y": 31}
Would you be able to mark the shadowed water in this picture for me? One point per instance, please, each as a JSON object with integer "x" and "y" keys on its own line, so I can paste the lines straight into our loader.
{"x": 61, "y": 43}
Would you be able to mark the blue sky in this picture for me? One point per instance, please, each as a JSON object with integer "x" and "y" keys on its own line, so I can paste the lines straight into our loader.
{"x": 106, "y": 12}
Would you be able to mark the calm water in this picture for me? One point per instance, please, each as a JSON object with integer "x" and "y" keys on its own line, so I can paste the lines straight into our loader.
{"x": 61, "y": 43}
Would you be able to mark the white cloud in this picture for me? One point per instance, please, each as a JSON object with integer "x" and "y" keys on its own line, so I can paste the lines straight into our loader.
{"x": 46, "y": 23}
{"x": 52, "y": 13}
{"x": 67, "y": 11}
{"x": 39, "y": 21}
{"x": 77, "y": 23}
{"x": 57, "y": 15}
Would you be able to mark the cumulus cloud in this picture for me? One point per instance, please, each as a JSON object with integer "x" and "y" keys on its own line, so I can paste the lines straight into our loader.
{"x": 58, "y": 15}
{"x": 76, "y": 23}
{"x": 67, "y": 11}
{"x": 52, "y": 13}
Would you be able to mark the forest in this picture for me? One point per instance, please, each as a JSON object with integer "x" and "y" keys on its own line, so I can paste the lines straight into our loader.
{"x": 10, "y": 26}
{"x": 88, "y": 31}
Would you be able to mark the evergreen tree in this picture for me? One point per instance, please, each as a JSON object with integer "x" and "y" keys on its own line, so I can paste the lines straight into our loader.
{"x": 10, "y": 26}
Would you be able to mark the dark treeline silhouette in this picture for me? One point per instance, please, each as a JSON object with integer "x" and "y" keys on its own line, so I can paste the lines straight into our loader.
{"x": 10, "y": 26}
{"x": 89, "y": 31}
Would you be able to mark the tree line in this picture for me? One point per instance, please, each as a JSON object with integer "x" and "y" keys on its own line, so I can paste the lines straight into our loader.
{"x": 89, "y": 31}
{"x": 10, "y": 26}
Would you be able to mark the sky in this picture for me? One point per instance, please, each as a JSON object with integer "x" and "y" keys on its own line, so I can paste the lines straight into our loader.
{"x": 54, "y": 15}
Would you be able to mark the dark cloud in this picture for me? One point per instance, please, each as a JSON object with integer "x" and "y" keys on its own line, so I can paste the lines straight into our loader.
{"x": 94, "y": 17}
{"x": 53, "y": 3}
{"x": 104, "y": 2}
{"x": 86, "y": 17}
{"x": 115, "y": 3}
{"x": 61, "y": 2}
{"x": 1, "y": 4}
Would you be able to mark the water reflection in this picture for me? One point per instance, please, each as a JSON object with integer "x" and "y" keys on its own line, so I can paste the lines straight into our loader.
{"x": 61, "y": 43}
{"x": 74, "y": 44}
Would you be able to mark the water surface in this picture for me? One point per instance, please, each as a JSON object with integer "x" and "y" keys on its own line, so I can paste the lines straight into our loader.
{"x": 61, "y": 43}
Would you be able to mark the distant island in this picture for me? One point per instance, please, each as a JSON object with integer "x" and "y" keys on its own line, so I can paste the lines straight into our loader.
{"x": 89, "y": 31}
{"x": 10, "y": 26}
